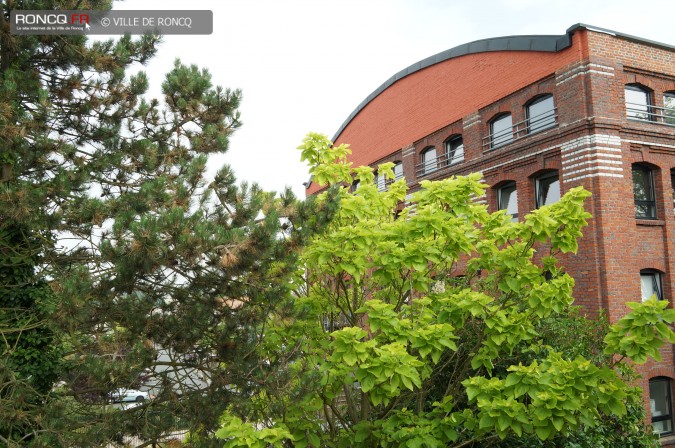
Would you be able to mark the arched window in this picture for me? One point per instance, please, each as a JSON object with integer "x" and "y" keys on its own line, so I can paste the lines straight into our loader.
{"x": 651, "y": 284}
{"x": 507, "y": 199}
{"x": 501, "y": 131}
{"x": 638, "y": 102}
{"x": 540, "y": 114}
{"x": 669, "y": 108}
{"x": 454, "y": 150}
{"x": 398, "y": 171}
{"x": 356, "y": 184}
{"x": 428, "y": 161}
{"x": 546, "y": 189}
{"x": 380, "y": 181}
{"x": 398, "y": 174}
{"x": 643, "y": 192}
{"x": 661, "y": 405}
{"x": 383, "y": 183}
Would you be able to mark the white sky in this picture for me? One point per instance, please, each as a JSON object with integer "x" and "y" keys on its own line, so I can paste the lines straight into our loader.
{"x": 304, "y": 65}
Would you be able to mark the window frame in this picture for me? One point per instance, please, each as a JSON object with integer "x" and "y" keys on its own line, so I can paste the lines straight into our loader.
{"x": 667, "y": 417}
{"x": 668, "y": 114}
{"x": 656, "y": 279}
{"x": 538, "y": 200}
{"x": 380, "y": 181}
{"x": 511, "y": 185}
{"x": 398, "y": 165}
{"x": 501, "y": 140}
{"x": 650, "y": 201}
{"x": 428, "y": 166}
{"x": 541, "y": 122}
{"x": 633, "y": 113}
{"x": 452, "y": 145}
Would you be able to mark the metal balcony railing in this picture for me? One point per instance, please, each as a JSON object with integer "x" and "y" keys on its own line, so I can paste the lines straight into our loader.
{"x": 439, "y": 162}
{"x": 383, "y": 184}
{"x": 652, "y": 114}
{"x": 521, "y": 129}
{"x": 397, "y": 177}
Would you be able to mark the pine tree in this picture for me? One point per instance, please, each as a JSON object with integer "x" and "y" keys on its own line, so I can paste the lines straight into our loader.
{"x": 119, "y": 261}
{"x": 30, "y": 359}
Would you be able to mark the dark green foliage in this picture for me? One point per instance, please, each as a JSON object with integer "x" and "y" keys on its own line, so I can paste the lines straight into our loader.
{"x": 25, "y": 306}
{"x": 30, "y": 355}
{"x": 125, "y": 261}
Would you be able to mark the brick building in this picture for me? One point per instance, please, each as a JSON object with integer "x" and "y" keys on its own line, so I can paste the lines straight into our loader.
{"x": 538, "y": 115}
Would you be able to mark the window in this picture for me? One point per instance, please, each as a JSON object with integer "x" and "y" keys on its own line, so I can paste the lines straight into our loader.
{"x": 540, "y": 114}
{"x": 380, "y": 181}
{"x": 454, "y": 150}
{"x": 638, "y": 104}
{"x": 643, "y": 192}
{"x": 428, "y": 157}
{"x": 384, "y": 183}
{"x": 547, "y": 189}
{"x": 669, "y": 108}
{"x": 660, "y": 404}
{"x": 398, "y": 171}
{"x": 650, "y": 284}
{"x": 507, "y": 199}
{"x": 501, "y": 131}
{"x": 356, "y": 184}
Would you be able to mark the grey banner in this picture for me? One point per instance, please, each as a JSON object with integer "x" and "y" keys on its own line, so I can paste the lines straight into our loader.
{"x": 112, "y": 22}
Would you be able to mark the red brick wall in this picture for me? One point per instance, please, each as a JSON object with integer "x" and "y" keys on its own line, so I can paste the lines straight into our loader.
{"x": 441, "y": 94}
{"x": 430, "y": 99}
{"x": 631, "y": 53}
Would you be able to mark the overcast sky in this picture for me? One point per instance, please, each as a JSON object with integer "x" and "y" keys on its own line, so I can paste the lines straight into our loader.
{"x": 304, "y": 65}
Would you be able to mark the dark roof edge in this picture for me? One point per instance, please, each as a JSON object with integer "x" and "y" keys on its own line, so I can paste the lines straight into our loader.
{"x": 508, "y": 43}
{"x": 629, "y": 37}
{"x": 546, "y": 43}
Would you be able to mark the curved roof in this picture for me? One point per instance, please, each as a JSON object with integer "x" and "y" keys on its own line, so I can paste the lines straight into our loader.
{"x": 544, "y": 43}
{"x": 436, "y": 91}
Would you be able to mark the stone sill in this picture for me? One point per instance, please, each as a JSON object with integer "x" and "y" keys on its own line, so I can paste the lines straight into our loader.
{"x": 668, "y": 440}
{"x": 650, "y": 222}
